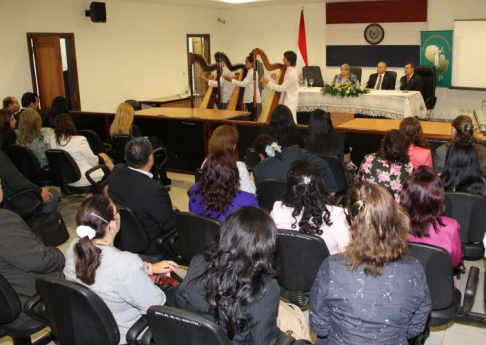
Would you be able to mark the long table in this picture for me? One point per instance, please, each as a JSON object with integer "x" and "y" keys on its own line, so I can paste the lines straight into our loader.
{"x": 388, "y": 103}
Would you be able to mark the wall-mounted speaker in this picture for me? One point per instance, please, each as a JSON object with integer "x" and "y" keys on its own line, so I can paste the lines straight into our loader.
{"x": 97, "y": 12}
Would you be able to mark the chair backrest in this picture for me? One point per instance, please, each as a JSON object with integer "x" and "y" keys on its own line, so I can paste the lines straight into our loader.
{"x": 175, "y": 326}
{"x": 64, "y": 168}
{"x": 251, "y": 157}
{"x": 25, "y": 161}
{"x": 9, "y": 301}
{"x": 358, "y": 71}
{"x": 132, "y": 236}
{"x": 470, "y": 211}
{"x": 271, "y": 190}
{"x": 195, "y": 232}
{"x": 299, "y": 257}
{"x": 428, "y": 75}
{"x": 118, "y": 142}
{"x": 76, "y": 315}
{"x": 197, "y": 175}
{"x": 438, "y": 270}
{"x": 313, "y": 72}
{"x": 337, "y": 169}
{"x": 393, "y": 77}
{"x": 135, "y": 104}
{"x": 94, "y": 140}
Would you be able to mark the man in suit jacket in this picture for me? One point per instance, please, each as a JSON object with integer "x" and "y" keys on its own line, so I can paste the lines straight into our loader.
{"x": 411, "y": 81}
{"x": 23, "y": 257}
{"x": 132, "y": 185}
{"x": 386, "y": 82}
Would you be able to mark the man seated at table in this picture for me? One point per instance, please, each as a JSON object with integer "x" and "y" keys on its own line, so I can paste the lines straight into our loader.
{"x": 381, "y": 80}
{"x": 411, "y": 81}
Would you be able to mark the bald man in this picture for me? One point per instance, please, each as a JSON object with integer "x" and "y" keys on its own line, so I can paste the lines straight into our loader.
{"x": 381, "y": 80}
{"x": 11, "y": 104}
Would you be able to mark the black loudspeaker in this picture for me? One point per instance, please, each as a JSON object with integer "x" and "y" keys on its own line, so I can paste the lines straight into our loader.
{"x": 97, "y": 12}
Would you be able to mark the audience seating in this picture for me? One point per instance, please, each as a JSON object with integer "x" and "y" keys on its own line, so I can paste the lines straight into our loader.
{"x": 358, "y": 71}
{"x": 446, "y": 299}
{"x": 25, "y": 214}
{"x": 95, "y": 142}
{"x": 299, "y": 257}
{"x": 65, "y": 170}
{"x": 10, "y": 323}
{"x": 271, "y": 190}
{"x": 313, "y": 72}
{"x": 428, "y": 75}
{"x": 75, "y": 314}
{"x": 28, "y": 165}
{"x": 251, "y": 158}
{"x": 135, "y": 104}
{"x": 118, "y": 143}
{"x": 469, "y": 210}
{"x": 197, "y": 175}
{"x": 339, "y": 173}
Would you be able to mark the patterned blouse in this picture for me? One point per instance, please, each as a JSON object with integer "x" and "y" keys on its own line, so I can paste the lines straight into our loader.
{"x": 377, "y": 170}
{"x": 40, "y": 144}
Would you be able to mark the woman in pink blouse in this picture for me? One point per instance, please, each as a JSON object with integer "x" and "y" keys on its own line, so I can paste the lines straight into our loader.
{"x": 423, "y": 197}
{"x": 418, "y": 151}
{"x": 304, "y": 208}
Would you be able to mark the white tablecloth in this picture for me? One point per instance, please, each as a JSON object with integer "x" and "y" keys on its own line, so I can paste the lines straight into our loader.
{"x": 388, "y": 103}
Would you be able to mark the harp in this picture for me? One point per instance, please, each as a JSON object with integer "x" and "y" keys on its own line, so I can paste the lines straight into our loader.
{"x": 270, "y": 98}
{"x": 205, "y": 96}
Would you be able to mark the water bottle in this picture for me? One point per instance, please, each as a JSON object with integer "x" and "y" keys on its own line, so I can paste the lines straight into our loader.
{"x": 305, "y": 82}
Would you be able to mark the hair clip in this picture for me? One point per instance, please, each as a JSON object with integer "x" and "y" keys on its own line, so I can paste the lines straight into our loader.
{"x": 84, "y": 230}
{"x": 272, "y": 148}
{"x": 361, "y": 205}
{"x": 307, "y": 179}
{"x": 103, "y": 219}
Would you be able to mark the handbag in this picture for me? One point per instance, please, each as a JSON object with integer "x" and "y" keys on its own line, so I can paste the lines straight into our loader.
{"x": 292, "y": 322}
{"x": 50, "y": 228}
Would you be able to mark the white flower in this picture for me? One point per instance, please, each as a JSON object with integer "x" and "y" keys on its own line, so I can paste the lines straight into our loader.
{"x": 270, "y": 149}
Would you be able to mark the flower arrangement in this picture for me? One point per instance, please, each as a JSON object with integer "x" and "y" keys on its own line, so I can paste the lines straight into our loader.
{"x": 342, "y": 90}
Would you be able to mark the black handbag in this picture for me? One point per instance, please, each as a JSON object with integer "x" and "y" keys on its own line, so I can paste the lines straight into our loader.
{"x": 50, "y": 228}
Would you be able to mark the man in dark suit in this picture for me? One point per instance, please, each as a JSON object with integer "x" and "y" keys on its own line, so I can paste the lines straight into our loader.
{"x": 411, "y": 81}
{"x": 132, "y": 185}
{"x": 381, "y": 80}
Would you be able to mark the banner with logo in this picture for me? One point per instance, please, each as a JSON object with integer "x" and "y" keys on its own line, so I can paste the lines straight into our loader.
{"x": 436, "y": 50}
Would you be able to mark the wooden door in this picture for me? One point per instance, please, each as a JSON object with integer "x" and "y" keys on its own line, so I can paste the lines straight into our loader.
{"x": 48, "y": 65}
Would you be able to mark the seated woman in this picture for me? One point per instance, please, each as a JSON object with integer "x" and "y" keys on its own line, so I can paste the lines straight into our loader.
{"x": 275, "y": 162}
{"x": 217, "y": 194}
{"x": 283, "y": 128}
{"x": 324, "y": 140}
{"x": 462, "y": 172}
{"x": 58, "y": 107}
{"x": 423, "y": 198}
{"x": 390, "y": 167}
{"x": 462, "y": 130}
{"x": 32, "y": 135}
{"x": 233, "y": 284}
{"x": 373, "y": 293}
{"x": 7, "y": 119}
{"x": 305, "y": 208}
{"x": 345, "y": 77}
{"x": 123, "y": 122}
{"x": 77, "y": 146}
{"x": 120, "y": 278}
{"x": 418, "y": 151}
{"x": 225, "y": 138}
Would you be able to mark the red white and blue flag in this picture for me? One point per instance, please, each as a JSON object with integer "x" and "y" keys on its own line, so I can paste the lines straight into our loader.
{"x": 402, "y": 21}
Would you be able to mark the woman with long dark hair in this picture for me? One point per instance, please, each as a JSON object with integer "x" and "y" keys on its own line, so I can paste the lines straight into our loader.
{"x": 418, "y": 151}
{"x": 305, "y": 208}
{"x": 324, "y": 140}
{"x": 119, "y": 278}
{"x": 58, "y": 107}
{"x": 373, "y": 292}
{"x": 283, "y": 128}
{"x": 77, "y": 146}
{"x": 424, "y": 199}
{"x": 218, "y": 193}
{"x": 7, "y": 119}
{"x": 462, "y": 172}
{"x": 462, "y": 130}
{"x": 390, "y": 167}
{"x": 233, "y": 284}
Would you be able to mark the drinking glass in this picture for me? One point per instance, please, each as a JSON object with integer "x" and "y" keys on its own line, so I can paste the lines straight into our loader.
{"x": 311, "y": 82}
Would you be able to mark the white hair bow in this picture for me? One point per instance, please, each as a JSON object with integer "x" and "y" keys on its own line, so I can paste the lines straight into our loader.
{"x": 83, "y": 231}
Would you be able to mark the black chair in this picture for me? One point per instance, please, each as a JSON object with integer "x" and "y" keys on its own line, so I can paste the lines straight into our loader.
{"x": 393, "y": 76}
{"x": 299, "y": 257}
{"x": 194, "y": 233}
{"x": 118, "y": 143}
{"x": 75, "y": 314}
{"x": 251, "y": 158}
{"x": 271, "y": 190}
{"x": 65, "y": 170}
{"x": 135, "y": 104}
{"x": 26, "y": 193}
{"x": 28, "y": 165}
{"x": 313, "y": 72}
{"x": 20, "y": 329}
{"x": 469, "y": 210}
{"x": 358, "y": 71}
{"x": 428, "y": 93}
{"x": 339, "y": 173}
{"x": 446, "y": 299}
{"x": 95, "y": 142}
{"x": 197, "y": 175}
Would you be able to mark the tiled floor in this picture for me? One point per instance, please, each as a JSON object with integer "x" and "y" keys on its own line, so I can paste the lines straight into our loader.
{"x": 452, "y": 334}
